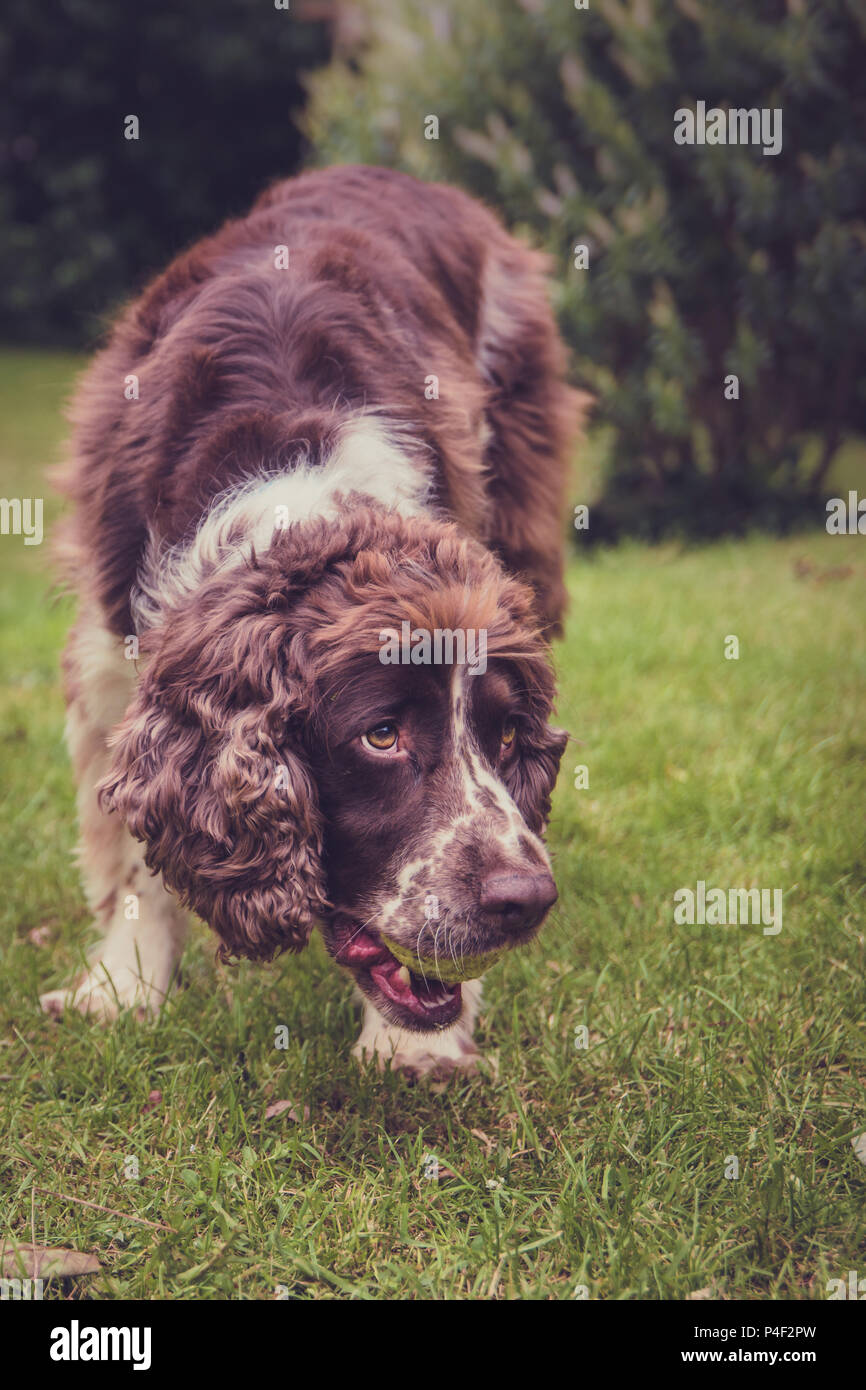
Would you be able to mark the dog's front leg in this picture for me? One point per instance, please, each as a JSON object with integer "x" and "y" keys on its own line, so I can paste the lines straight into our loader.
{"x": 142, "y": 925}
{"x": 422, "y": 1054}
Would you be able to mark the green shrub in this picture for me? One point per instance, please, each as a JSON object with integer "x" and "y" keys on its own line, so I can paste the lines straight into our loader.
{"x": 705, "y": 261}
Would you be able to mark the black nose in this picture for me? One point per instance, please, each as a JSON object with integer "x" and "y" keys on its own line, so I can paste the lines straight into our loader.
{"x": 517, "y": 901}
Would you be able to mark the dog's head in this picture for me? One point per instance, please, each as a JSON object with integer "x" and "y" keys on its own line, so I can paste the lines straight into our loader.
{"x": 352, "y": 730}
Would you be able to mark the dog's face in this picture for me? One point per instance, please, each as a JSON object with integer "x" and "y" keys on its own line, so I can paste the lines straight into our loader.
{"x": 281, "y": 774}
{"x": 431, "y": 866}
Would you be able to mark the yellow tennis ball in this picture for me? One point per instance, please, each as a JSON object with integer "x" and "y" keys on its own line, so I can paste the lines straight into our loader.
{"x": 449, "y": 971}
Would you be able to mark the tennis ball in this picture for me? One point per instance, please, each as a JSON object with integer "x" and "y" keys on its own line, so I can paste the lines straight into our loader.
{"x": 449, "y": 971}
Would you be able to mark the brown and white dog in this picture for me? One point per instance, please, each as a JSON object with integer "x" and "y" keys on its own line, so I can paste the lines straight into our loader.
{"x": 341, "y": 414}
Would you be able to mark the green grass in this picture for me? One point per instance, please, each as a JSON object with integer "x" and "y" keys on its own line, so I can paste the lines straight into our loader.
{"x": 603, "y": 1166}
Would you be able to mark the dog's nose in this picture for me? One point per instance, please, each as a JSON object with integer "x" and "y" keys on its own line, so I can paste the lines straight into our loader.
{"x": 518, "y": 900}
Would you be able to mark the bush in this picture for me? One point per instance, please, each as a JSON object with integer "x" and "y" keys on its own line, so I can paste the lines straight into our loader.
{"x": 705, "y": 261}
{"x": 87, "y": 214}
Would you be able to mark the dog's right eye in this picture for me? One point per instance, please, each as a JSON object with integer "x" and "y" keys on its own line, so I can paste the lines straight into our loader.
{"x": 382, "y": 737}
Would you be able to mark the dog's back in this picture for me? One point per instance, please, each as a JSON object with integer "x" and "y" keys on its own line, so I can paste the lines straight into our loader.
{"x": 347, "y": 290}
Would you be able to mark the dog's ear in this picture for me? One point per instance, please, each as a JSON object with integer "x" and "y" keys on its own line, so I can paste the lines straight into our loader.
{"x": 208, "y": 774}
{"x": 532, "y": 777}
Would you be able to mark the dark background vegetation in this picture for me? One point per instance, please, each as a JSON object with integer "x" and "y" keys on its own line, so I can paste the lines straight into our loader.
{"x": 87, "y": 215}
{"x": 704, "y": 261}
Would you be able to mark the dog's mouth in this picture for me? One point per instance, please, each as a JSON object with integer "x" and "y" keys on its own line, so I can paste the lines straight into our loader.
{"x": 418, "y": 1000}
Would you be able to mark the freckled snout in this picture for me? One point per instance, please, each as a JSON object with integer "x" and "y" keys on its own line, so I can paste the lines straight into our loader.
{"x": 515, "y": 902}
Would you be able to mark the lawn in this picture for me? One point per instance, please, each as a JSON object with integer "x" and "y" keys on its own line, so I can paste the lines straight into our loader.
{"x": 562, "y": 1167}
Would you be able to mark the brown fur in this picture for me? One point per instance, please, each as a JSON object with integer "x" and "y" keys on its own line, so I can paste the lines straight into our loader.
{"x": 390, "y": 281}
{"x": 236, "y": 692}
{"x": 239, "y": 762}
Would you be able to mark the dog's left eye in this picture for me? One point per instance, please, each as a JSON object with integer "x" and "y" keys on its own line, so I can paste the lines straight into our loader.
{"x": 382, "y": 737}
{"x": 508, "y": 735}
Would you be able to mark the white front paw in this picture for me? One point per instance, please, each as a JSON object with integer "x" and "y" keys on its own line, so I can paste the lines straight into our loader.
{"x": 103, "y": 994}
{"x": 438, "y": 1055}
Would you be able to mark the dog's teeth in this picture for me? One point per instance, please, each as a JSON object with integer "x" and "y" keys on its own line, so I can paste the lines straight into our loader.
{"x": 403, "y": 975}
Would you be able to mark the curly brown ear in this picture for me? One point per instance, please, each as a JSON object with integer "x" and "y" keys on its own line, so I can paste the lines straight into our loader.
{"x": 533, "y": 776}
{"x": 225, "y": 806}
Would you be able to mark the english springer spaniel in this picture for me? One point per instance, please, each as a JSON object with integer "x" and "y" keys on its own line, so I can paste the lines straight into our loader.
{"x": 317, "y": 534}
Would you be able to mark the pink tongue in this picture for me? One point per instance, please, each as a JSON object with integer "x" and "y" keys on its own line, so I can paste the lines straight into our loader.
{"x": 360, "y": 949}
{"x": 390, "y": 971}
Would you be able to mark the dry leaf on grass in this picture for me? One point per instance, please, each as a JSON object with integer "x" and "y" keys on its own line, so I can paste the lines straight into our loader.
{"x": 858, "y": 1143}
{"x": 711, "y": 1291}
{"x": 485, "y": 1139}
{"x": 40, "y": 1262}
{"x": 285, "y": 1107}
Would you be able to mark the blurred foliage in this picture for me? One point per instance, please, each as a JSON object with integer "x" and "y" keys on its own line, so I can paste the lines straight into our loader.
{"x": 86, "y": 214}
{"x": 703, "y": 260}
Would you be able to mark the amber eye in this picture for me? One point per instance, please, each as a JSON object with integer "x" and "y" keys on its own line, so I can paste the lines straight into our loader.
{"x": 509, "y": 734}
{"x": 382, "y": 737}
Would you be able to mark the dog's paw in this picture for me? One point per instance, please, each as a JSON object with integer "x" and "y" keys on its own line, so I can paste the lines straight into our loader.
{"x": 102, "y": 998}
{"x": 418, "y": 1055}
{"x": 433, "y": 1067}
